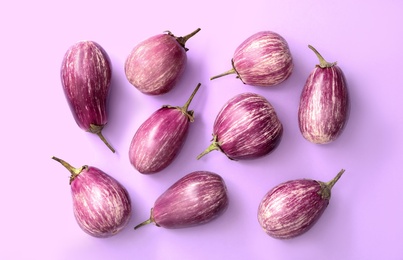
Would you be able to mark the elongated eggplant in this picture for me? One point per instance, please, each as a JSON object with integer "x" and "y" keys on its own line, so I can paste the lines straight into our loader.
{"x": 160, "y": 138}
{"x": 195, "y": 199}
{"x": 86, "y": 77}
{"x": 293, "y": 207}
{"x": 102, "y": 206}
{"x": 324, "y": 103}
{"x": 247, "y": 127}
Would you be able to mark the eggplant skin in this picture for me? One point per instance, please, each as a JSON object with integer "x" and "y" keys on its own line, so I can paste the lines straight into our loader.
{"x": 86, "y": 78}
{"x": 195, "y": 199}
{"x": 324, "y": 105}
{"x": 158, "y": 140}
{"x": 101, "y": 205}
{"x": 292, "y": 208}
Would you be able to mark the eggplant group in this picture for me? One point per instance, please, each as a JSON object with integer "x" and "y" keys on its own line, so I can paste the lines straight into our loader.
{"x": 160, "y": 138}
{"x": 101, "y": 205}
{"x": 86, "y": 78}
{"x": 293, "y": 207}
{"x": 324, "y": 103}
{"x": 263, "y": 59}
{"x": 247, "y": 127}
{"x": 195, "y": 199}
{"x": 155, "y": 65}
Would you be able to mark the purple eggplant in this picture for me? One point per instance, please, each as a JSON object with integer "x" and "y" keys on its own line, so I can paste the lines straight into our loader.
{"x": 195, "y": 199}
{"x": 324, "y": 103}
{"x": 247, "y": 127}
{"x": 160, "y": 138}
{"x": 86, "y": 77}
{"x": 264, "y": 59}
{"x": 156, "y": 64}
{"x": 293, "y": 207}
{"x": 101, "y": 205}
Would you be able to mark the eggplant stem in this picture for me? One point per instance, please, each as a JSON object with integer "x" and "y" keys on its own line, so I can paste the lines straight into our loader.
{"x": 148, "y": 221}
{"x": 213, "y": 146}
{"x": 182, "y": 40}
{"x": 228, "y": 72}
{"x": 74, "y": 171}
{"x": 331, "y": 183}
{"x": 186, "y": 106}
{"x": 322, "y": 62}
{"x": 97, "y": 129}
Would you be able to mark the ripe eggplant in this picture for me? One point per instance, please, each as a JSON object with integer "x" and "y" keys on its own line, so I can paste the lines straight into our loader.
{"x": 247, "y": 127}
{"x": 160, "y": 138}
{"x": 324, "y": 103}
{"x": 101, "y": 205}
{"x": 156, "y": 64}
{"x": 263, "y": 59}
{"x": 86, "y": 77}
{"x": 195, "y": 199}
{"x": 293, "y": 207}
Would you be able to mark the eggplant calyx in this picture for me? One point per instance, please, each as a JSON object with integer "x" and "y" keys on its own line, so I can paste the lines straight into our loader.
{"x": 322, "y": 62}
{"x": 183, "y": 39}
{"x": 74, "y": 171}
{"x": 326, "y": 187}
{"x": 97, "y": 129}
{"x": 228, "y": 72}
{"x": 184, "y": 109}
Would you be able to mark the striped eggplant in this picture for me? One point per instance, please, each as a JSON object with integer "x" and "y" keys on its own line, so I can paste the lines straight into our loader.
{"x": 293, "y": 207}
{"x": 195, "y": 199}
{"x": 86, "y": 77}
{"x": 263, "y": 59}
{"x": 160, "y": 138}
{"x": 101, "y": 205}
{"x": 155, "y": 65}
{"x": 247, "y": 127}
{"x": 324, "y": 103}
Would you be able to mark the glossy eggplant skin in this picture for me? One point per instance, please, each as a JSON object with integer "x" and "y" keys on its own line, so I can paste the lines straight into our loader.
{"x": 86, "y": 74}
{"x": 195, "y": 199}
{"x": 158, "y": 140}
{"x": 324, "y": 105}
{"x": 247, "y": 127}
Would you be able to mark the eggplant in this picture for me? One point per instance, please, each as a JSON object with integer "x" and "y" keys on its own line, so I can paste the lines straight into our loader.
{"x": 160, "y": 138}
{"x": 324, "y": 103}
{"x": 263, "y": 59}
{"x": 290, "y": 209}
{"x": 86, "y": 78}
{"x": 247, "y": 127}
{"x": 101, "y": 205}
{"x": 155, "y": 65}
{"x": 195, "y": 199}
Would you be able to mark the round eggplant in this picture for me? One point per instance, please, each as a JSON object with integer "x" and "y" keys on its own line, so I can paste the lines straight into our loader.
{"x": 86, "y": 78}
{"x": 195, "y": 199}
{"x": 101, "y": 205}
{"x": 161, "y": 137}
{"x": 156, "y": 64}
{"x": 324, "y": 104}
{"x": 293, "y": 207}
{"x": 263, "y": 59}
{"x": 247, "y": 127}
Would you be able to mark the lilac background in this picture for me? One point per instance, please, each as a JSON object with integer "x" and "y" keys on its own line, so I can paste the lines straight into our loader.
{"x": 364, "y": 218}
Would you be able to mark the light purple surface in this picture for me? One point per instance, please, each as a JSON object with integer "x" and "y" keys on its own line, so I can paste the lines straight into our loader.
{"x": 364, "y": 217}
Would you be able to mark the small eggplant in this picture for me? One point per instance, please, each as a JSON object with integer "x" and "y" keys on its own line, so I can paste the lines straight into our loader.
{"x": 86, "y": 77}
{"x": 264, "y": 59}
{"x": 195, "y": 199}
{"x": 324, "y": 103}
{"x": 156, "y": 64}
{"x": 101, "y": 205}
{"x": 247, "y": 127}
{"x": 293, "y": 207}
{"x": 161, "y": 137}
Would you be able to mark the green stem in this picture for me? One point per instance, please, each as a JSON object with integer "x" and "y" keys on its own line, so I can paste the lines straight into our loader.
{"x": 97, "y": 129}
{"x": 326, "y": 187}
{"x": 74, "y": 171}
{"x": 148, "y": 221}
{"x": 186, "y": 106}
{"x": 228, "y": 72}
{"x": 182, "y": 40}
{"x": 322, "y": 62}
{"x": 331, "y": 183}
{"x": 213, "y": 146}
